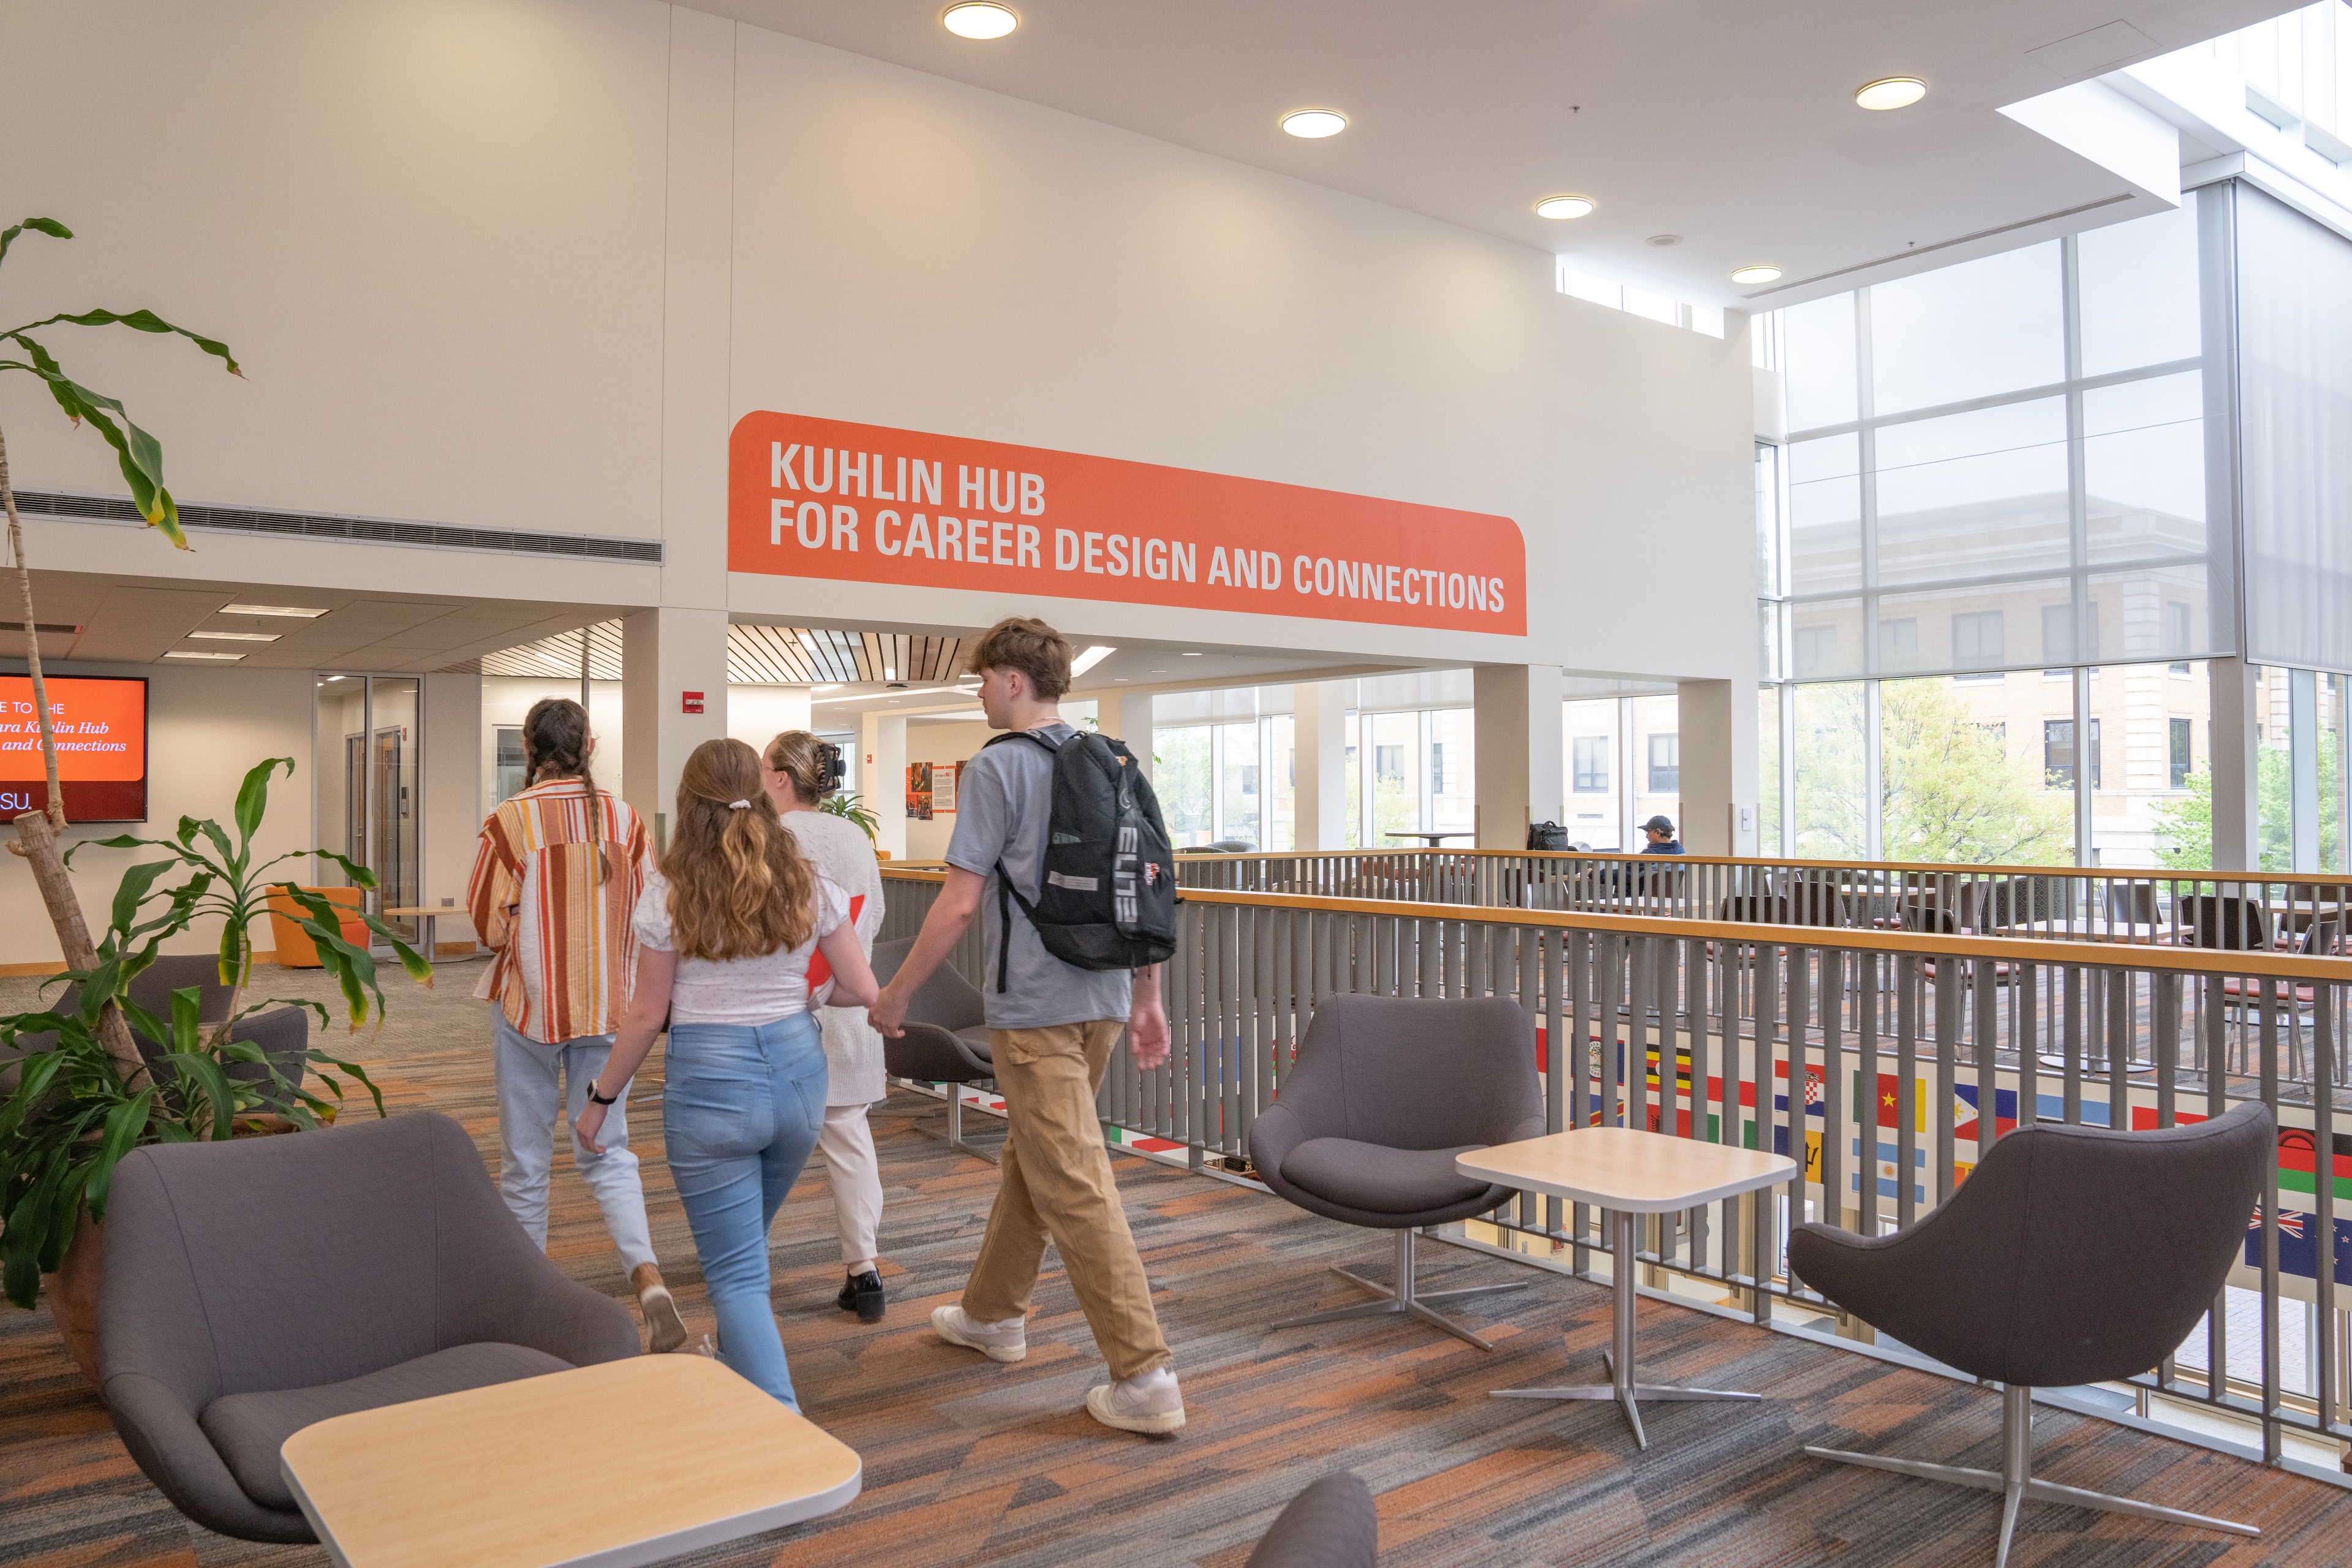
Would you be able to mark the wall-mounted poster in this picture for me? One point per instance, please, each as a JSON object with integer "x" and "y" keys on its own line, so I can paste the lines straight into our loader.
{"x": 919, "y": 792}
{"x": 945, "y": 776}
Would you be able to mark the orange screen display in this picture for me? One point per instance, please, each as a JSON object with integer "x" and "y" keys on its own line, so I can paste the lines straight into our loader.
{"x": 101, "y": 735}
{"x": 822, "y": 497}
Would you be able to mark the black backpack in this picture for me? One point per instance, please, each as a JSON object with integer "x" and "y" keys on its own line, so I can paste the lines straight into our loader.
{"x": 1107, "y": 897}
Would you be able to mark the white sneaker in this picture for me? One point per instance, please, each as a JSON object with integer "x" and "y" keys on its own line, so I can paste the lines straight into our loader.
{"x": 664, "y": 1328}
{"x": 1007, "y": 1341}
{"x": 1148, "y": 1402}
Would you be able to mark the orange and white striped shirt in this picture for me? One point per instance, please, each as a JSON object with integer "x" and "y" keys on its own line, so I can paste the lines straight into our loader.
{"x": 566, "y": 954}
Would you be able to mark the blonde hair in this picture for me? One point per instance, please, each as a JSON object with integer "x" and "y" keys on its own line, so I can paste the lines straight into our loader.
{"x": 739, "y": 887}
{"x": 797, "y": 754}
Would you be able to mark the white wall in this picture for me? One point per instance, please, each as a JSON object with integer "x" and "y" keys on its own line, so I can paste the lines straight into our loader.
{"x": 204, "y": 728}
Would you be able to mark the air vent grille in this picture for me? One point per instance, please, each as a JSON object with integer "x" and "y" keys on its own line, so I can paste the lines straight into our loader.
{"x": 356, "y": 530}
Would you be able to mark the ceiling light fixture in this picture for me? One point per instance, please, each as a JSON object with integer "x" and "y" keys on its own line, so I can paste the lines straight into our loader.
{"x": 978, "y": 19}
{"x": 294, "y": 610}
{"x": 234, "y": 636}
{"x": 191, "y": 653}
{"x": 1314, "y": 124}
{"x": 1890, "y": 93}
{"x": 1564, "y": 206}
{"x": 1755, "y": 274}
{"x": 1088, "y": 659}
{"x": 1192, "y": 655}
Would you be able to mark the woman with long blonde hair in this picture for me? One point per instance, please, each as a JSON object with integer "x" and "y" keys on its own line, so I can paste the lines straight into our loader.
{"x": 796, "y": 772}
{"x": 729, "y": 931}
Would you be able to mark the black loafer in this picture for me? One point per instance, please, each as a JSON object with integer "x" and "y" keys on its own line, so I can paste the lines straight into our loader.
{"x": 862, "y": 1294}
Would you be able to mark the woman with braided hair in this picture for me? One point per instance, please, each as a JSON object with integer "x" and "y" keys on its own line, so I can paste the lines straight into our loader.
{"x": 737, "y": 933}
{"x": 559, "y": 871}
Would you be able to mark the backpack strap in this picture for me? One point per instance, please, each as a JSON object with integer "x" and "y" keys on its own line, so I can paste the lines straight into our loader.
{"x": 1004, "y": 887}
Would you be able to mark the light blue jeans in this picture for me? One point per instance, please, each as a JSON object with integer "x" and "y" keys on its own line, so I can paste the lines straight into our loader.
{"x": 742, "y": 1107}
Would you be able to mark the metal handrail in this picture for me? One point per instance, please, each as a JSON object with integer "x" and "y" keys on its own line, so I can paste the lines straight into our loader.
{"x": 1701, "y": 1028}
{"x": 2126, "y": 906}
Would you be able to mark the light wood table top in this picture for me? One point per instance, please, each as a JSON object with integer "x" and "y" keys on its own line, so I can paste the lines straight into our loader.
{"x": 624, "y": 1462}
{"x": 1627, "y": 1169}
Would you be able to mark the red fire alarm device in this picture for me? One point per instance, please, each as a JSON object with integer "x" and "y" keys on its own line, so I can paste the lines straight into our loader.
{"x": 692, "y": 702}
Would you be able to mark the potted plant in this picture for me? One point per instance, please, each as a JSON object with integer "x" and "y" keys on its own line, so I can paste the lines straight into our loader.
{"x": 75, "y": 1111}
{"x": 141, "y": 457}
{"x": 847, "y": 805}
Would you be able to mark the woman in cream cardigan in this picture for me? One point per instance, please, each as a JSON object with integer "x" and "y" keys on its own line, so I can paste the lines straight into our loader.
{"x": 795, "y": 779}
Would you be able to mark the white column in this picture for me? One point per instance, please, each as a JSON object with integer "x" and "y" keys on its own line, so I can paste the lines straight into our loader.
{"x": 2237, "y": 803}
{"x": 1129, "y": 720}
{"x": 454, "y": 807}
{"x": 882, "y": 747}
{"x": 1320, "y": 715}
{"x": 1519, "y": 751}
{"x": 671, "y": 658}
{"x": 1716, "y": 722}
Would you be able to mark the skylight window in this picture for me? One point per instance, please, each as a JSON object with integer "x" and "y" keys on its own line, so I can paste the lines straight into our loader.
{"x": 1597, "y": 291}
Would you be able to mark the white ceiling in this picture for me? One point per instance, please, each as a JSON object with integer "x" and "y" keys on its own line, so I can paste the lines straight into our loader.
{"x": 1727, "y": 122}
{"x": 138, "y": 620}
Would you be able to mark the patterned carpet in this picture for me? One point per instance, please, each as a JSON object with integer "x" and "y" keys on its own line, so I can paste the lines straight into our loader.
{"x": 968, "y": 1462}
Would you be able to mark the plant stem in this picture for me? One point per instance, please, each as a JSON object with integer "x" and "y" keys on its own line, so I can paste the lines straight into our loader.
{"x": 38, "y": 843}
{"x": 57, "y": 806}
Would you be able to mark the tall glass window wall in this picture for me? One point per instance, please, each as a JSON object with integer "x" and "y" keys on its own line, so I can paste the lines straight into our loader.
{"x": 1223, "y": 764}
{"x": 1984, "y": 589}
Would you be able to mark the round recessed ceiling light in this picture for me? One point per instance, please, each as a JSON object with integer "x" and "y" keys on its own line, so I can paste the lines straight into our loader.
{"x": 1891, "y": 92}
{"x": 1755, "y": 274}
{"x": 980, "y": 20}
{"x": 1663, "y": 241}
{"x": 1315, "y": 123}
{"x": 1563, "y": 206}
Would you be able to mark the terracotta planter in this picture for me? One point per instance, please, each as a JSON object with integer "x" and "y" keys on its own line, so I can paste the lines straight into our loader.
{"x": 72, "y": 1292}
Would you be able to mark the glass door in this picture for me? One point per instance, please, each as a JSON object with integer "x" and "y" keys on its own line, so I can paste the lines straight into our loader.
{"x": 368, "y": 750}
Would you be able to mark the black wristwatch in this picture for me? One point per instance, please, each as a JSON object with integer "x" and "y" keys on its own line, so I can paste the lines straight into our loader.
{"x": 595, "y": 1098}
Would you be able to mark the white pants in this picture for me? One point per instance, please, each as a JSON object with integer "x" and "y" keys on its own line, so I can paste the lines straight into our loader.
{"x": 528, "y": 1074}
{"x": 847, "y": 1142}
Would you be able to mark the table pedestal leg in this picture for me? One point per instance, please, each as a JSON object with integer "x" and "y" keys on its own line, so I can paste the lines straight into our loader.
{"x": 1619, "y": 1358}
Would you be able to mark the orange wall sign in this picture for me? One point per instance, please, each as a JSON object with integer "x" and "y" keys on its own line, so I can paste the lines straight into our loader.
{"x": 101, "y": 732}
{"x": 819, "y": 498}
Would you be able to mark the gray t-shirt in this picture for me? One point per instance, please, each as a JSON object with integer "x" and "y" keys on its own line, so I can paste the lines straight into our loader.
{"x": 1003, "y": 802}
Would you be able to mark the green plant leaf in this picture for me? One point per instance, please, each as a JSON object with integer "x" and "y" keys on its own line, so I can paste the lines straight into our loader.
{"x": 47, "y": 226}
{"x": 124, "y": 1123}
{"x": 26, "y": 1235}
{"x": 185, "y": 1003}
{"x": 351, "y": 1069}
{"x": 210, "y": 1081}
{"x": 132, "y": 891}
{"x": 140, "y": 321}
{"x": 253, "y": 799}
{"x": 359, "y": 875}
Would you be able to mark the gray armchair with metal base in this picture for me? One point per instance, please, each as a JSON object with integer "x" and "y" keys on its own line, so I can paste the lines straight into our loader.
{"x": 251, "y": 1289}
{"x": 2071, "y": 1255}
{"x": 1386, "y": 1092}
{"x": 945, "y": 1039}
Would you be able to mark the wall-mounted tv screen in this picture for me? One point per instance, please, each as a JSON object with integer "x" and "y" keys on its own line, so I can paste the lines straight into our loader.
{"x": 101, "y": 723}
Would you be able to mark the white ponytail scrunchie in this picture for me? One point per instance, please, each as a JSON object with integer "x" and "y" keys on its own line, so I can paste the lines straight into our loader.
{"x": 738, "y": 805}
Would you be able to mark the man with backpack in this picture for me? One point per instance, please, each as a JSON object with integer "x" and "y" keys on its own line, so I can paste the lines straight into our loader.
{"x": 1060, "y": 847}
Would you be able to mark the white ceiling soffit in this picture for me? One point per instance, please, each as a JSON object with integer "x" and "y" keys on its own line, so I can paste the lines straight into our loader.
{"x": 1729, "y": 124}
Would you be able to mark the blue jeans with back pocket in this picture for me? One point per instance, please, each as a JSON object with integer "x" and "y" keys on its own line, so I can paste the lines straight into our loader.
{"x": 742, "y": 1107}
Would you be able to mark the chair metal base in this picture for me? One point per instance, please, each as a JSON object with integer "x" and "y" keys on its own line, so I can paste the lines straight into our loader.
{"x": 1618, "y": 1360}
{"x": 1403, "y": 1298}
{"x": 953, "y": 1137}
{"x": 2014, "y": 1481}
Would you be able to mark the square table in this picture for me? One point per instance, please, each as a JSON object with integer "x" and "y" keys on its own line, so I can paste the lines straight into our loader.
{"x": 620, "y": 1463}
{"x": 1626, "y": 1172}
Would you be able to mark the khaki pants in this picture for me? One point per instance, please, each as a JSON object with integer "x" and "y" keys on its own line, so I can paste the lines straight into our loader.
{"x": 1058, "y": 1183}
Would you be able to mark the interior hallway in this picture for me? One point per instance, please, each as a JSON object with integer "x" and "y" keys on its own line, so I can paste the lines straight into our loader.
{"x": 969, "y": 1462}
